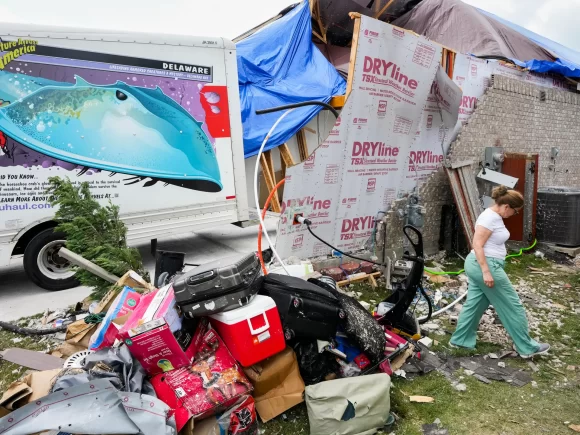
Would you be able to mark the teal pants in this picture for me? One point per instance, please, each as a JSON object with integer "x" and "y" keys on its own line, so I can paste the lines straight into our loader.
{"x": 504, "y": 299}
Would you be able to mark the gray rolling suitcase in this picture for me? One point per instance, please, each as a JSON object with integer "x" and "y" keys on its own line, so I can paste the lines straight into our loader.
{"x": 218, "y": 286}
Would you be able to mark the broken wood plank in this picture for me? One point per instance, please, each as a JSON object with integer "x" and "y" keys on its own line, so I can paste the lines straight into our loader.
{"x": 87, "y": 265}
{"x": 31, "y": 359}
{"x": 302, "y": 145}
{"x": 267, "y": 165}
{"x": 460, "y": 164}
{"x": 286, "y": 155}
{"x": 353, "y": 51}
{"x": 358, "y": 279}
{"x": 383, "y": 10}
{"x": 421, "y": 399}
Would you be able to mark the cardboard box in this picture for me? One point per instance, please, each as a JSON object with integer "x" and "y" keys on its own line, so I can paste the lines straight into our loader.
{"x": 135, "y": 281}
{"x": 277, "y": 383}
{"x": 29, "y": 389}
{"x": 150, "y": 333}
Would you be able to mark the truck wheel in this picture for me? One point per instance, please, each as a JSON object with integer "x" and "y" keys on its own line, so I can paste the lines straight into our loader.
{"x": 44, "y": 266}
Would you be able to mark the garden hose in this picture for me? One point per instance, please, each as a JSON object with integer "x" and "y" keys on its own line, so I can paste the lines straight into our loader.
{"x": 519, "y": 254}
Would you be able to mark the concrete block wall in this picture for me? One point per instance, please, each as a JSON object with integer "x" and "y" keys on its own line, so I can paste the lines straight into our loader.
{"x": 520, "y": 117}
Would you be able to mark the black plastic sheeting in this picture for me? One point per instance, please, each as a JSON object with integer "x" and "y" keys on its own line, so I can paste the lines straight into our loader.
{"x": 339, "y": 26}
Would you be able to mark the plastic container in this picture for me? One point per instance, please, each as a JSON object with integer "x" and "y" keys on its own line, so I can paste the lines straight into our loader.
{"x": 252, "y": 333}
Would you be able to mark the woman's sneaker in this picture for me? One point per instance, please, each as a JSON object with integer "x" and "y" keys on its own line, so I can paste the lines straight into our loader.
{"x": 543, "y": 349}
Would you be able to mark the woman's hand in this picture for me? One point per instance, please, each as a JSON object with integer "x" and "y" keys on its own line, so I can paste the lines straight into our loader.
{"x": 488, "y": 279}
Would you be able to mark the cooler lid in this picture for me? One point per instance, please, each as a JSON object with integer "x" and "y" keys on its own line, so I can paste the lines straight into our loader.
{"x": 259, "y": 305}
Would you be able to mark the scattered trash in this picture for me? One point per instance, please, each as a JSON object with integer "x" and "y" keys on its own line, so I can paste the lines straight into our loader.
{"x": 426, "y": 341}
{"x": 433, "y": 429}
{"x": 493, "y": 356}
{"x": 501, "y": 364}
{"x": 575, "y": 427}
{"x": 401, "y": 373}
{"x": 421, "y": 399}
{"x": 16, "y": 340}
{"x": 482, "y": 379}
{"x": 468, "y": 372}
{"x": 534, "y": 384}
{"x": 460, "y": 387}
{"x": 571, "y": 368}
{"x": 534, "y": 367}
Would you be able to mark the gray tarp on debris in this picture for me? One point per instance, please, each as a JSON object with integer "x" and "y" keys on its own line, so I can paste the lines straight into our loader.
{"x": 463, "y": 28}
{"x": 115, "y": 364}
{"x": 93, "y": 408}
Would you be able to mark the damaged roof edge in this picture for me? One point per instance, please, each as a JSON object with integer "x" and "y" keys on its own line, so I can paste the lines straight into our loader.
{"x": 264, "y": 24}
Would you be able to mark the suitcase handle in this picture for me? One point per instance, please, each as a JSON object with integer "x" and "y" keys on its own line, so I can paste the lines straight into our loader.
{"x": 261, "y": 328}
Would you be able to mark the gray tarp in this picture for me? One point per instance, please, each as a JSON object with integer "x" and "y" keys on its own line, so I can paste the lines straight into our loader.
{"x": 93, "y": 408}
{"x": 463, "y": 28}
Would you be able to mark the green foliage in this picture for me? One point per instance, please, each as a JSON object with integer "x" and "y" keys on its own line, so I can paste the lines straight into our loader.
{"x": 93, "y": 231}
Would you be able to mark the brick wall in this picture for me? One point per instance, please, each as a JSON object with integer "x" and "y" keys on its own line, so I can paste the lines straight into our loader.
{"x": 520, "y": 117}
{"x": 512, "y": 115}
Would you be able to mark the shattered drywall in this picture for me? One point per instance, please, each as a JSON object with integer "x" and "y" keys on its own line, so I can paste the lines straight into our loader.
{"x": 365, "y": 163}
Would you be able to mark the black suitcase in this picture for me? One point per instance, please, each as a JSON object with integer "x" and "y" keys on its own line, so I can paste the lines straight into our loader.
{"x": 306, "y": 310}
{"x": 219, "y": 286}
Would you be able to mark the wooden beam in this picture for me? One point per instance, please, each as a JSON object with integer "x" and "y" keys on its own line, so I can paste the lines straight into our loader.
{"x": 364, "y": 277}
{"x": 310, "y": 130}
{"x": 383, "y": 10}
{"x": 267, "y": 164}
{"x": 338, "y": 101}
{"x": 302, "y": 145}
{"x": 286, "y": 155}
{"x": 353, "y": 51}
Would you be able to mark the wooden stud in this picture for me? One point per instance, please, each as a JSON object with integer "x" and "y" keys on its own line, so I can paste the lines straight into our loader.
{"x": 267, "y": 165}
{"x": 353, "y": 51}
{"x": 311, "y": 130}
{"x": 286, "y": 155}
{"x": 302, "y": 145}
{"x": 384, "y": 9}
{"x": 338, "y": 101}
{"x": 373, "y": 281}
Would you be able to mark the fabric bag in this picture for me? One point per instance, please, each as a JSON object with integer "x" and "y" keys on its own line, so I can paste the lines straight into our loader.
{"x": 350, "y": 406}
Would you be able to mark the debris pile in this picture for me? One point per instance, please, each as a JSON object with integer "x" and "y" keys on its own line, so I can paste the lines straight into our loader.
{"x": 220, "y": 346}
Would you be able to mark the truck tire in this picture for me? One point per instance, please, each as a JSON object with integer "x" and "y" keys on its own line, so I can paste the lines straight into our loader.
{"x": 43, "y": 265}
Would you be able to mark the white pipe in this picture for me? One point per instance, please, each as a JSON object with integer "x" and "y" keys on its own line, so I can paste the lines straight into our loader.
{"x": 442, "y": 310}
{"x": 256, "y": 180}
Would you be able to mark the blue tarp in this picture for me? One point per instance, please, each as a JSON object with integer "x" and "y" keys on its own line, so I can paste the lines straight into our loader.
{"x": 280, "y": 65}
{"x": 567, "y": 62}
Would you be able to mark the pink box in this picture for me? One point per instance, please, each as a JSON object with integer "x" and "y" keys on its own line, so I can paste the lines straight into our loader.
{"x": 149, "y": 334}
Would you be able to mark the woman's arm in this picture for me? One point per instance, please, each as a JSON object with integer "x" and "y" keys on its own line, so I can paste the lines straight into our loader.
{"x": 479, "y": 239}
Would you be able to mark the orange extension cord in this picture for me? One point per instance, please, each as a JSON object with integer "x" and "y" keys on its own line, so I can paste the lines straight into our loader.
{"x": 260, "y": 229}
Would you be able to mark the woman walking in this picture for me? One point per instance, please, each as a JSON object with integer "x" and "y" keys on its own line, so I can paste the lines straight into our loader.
{"x": 488, "y": 282}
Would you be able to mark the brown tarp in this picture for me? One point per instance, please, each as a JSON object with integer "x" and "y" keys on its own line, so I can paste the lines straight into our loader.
{"x": 463, "y": 28}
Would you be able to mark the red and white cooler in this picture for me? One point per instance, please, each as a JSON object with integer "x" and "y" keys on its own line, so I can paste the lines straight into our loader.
{"x": 253, "y": 332}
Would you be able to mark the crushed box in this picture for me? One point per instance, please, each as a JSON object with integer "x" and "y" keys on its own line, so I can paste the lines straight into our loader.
{"x": 158, "y": 337}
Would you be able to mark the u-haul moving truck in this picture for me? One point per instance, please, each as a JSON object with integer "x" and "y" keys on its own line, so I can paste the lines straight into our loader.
{"x": 152, "y": 122}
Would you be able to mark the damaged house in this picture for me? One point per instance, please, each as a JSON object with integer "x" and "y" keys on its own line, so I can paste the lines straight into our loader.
{"x": 439, "y": 102}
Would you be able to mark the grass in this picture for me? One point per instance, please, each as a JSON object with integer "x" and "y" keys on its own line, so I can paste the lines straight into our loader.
{"x": 483, "y": 409}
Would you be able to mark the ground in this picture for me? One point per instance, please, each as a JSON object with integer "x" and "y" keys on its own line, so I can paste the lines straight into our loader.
{"x": 550, "y": 407}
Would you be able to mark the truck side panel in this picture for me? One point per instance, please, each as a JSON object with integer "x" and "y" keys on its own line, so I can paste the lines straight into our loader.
{"x": 147, "y": 122}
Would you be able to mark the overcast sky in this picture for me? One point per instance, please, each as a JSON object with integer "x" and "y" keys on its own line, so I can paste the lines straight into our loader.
{"x": 556, "y": 19}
